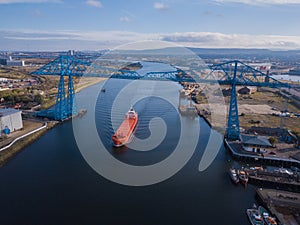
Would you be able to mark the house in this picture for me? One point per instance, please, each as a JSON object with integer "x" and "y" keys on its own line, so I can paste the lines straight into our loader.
{"x": 226, "y": 92}
{"x": 247, "y": 90}
{"x": 255, "y": 143}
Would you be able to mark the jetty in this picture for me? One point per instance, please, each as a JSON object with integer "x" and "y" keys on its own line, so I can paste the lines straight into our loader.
{"x": 262, "y": 177}
{"x": 235, "y": 149}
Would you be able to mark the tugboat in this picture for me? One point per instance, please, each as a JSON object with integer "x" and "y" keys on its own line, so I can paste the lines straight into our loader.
{"x": 243, "y": 176}
{"x": 124, "y": 133}
{"x": 233, "y": 175}
{"x": 254, "y": 217}
{"x": 268, "y": 219}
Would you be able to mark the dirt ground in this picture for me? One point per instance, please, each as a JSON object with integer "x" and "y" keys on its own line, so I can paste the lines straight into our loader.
{"x": 257, "y": 109}
{"x": 243, "y": 108}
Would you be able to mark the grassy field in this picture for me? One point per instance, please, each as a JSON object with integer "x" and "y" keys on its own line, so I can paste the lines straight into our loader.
{"x": 272, "y": 99}
{"x": 16, "y": 72}
{"x": 270, "y": 121}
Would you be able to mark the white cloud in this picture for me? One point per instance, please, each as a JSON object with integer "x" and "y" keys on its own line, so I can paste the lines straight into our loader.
{"x": 59, "y": 40}
{"x": 98, "y": 36}
{"x": 160, "y": 6}
{"x": 36, "y": 12}
{"x": 94, "y": 3}
{"x": 219, "y": 40}
{"x": 29, "y": 1}
{"x": 261, "y": 2}
{"x": 125, "y": 19}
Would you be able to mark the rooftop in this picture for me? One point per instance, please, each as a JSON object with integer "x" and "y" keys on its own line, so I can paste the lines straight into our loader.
{"x": 255, "y": 140}
{"x": 8, "y": 111}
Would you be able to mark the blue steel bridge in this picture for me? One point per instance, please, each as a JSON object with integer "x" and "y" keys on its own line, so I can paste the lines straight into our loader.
{"x": 231, "y": 73}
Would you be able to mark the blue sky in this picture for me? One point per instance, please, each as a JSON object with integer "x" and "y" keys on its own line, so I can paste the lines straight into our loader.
{"x": 93, "y": 24}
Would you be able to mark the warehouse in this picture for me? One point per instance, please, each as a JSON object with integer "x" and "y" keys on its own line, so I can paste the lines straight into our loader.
{"x": 10, "y": 119}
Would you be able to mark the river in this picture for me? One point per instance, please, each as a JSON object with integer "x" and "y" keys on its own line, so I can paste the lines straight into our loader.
{"x": 49, "y": 182}
{"x": 287, "y": 77}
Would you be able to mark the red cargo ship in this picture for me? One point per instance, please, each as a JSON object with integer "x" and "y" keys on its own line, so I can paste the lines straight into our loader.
{"x": 124, "y": 132}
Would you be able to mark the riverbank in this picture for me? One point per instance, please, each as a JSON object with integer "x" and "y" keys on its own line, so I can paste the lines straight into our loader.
{"x": 264, "y": 104}
{"x": 84, "y": 82}
{"x": 19, "y": 145}
{"x": 29, "y": 126}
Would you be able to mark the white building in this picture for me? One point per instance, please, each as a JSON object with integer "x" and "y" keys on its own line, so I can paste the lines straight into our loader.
{"x": 254, "y": 143}
{"x": 11, "y": 62}
{"x": 15, "y": 63}
{"x": 11, "y": 119}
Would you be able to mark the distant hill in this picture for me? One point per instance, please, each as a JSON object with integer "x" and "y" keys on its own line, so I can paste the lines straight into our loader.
{"x": 292, "y": 56}
{"x": 229, "y": 51}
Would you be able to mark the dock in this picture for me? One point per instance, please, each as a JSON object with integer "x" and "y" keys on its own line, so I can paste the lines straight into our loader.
{"x": 283, "y": 204}
{"x": 265, "y": 178}
{"x": 235, "y": 149}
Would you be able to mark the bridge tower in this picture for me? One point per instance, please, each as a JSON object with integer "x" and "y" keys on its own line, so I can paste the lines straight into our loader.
{"x": 65, "y": 102}
{"x": 235, "y": 73}
{"x": 63, "y": 66}
{"x": 233, "y": 130}
{"x": 60, "y": 111}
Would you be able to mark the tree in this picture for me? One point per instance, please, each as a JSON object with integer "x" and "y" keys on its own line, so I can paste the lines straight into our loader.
{"x": 273, "y": 140}
{"x": 38, "y": 98}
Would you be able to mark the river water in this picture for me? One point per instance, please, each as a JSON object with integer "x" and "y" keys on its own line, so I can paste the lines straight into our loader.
{"x": 287, "y": 77}
{"x": 51, "y": 183}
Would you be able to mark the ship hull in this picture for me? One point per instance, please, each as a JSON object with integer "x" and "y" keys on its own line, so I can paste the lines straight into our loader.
{"x": 124, "y": 133}
{"x": 233, "y": 175}
{"x": 254, "y": 217}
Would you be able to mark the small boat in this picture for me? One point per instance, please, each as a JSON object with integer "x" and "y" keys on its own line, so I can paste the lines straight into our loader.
{"x": 124, "y": 133}
{"x": 81, "y": 112}
{"x": 254, "y": 217}
{"x": 103, "y": 90}
{"x": 267, "y": 218}
{"x": 257, "y": 168}
{"x": 233, "y": 175}
{"x": 284, "y": 171}
{"x": 243, "y": 176}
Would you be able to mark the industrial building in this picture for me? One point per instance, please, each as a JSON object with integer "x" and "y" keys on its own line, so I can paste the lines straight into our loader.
{"x": 11, "y": 62}
{"x": 10, "y": 119}
{"x": 254, "y": 143}
{"x": 247, "y": 90}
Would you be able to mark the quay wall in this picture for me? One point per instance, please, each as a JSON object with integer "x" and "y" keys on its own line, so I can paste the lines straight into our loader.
{"x": 257, "y": 158}
{"x": 18, "y": 145}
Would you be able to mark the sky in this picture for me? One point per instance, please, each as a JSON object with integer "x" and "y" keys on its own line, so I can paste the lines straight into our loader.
{"x": 47, "y": 25}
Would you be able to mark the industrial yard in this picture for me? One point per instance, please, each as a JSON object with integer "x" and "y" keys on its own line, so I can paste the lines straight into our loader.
{"x": 262, "y": 108}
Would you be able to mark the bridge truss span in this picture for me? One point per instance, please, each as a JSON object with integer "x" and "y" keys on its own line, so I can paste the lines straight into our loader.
{"x": 230, "y": 73}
